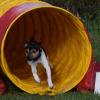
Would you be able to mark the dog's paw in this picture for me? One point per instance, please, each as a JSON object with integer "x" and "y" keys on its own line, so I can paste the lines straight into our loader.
{"x": 37, "y": 79}
{"x": 50, "y": 84}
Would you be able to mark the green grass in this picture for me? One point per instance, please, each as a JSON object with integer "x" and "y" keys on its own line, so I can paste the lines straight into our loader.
{"x": 13, "y": 93}
{"x": 94, "y": 31}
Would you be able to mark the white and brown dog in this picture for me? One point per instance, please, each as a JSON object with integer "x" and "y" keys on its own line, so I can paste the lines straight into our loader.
{"x": 35, "y": 54}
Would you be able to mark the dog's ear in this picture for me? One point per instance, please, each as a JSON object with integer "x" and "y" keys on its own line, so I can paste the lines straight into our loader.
{"x": 26, "y": 45}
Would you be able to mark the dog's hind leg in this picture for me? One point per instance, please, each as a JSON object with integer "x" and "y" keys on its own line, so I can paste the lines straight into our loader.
{"x": 34, "y": 71}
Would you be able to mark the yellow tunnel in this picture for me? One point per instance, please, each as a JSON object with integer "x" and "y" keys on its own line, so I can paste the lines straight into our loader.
{"x": 62, "y": 35}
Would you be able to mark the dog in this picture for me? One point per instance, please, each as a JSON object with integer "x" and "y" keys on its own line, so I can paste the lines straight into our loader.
{"x": 35, "y": 54}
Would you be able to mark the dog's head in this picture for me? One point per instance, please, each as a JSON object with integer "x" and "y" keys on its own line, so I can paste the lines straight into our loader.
{"x": 32, "y": 49}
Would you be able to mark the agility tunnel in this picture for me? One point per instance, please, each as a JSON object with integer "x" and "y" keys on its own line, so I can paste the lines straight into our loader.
{"x": 62, "y": 35}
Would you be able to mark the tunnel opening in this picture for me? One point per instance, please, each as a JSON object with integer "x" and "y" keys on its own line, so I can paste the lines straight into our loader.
{"x": 65, "y": 41}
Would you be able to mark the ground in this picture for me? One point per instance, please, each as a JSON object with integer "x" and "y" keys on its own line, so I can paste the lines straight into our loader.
{"x": 13, "y": 93}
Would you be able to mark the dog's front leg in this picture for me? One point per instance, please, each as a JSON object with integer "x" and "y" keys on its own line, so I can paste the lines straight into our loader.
{"x": 45, "y": 63}
{"x": 34, "y": 71}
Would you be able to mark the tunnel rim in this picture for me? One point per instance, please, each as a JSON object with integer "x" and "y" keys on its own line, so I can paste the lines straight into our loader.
{"x": 4, "y": 39}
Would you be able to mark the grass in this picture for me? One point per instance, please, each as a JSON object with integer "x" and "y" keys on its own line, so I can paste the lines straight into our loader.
{"x": 94, "y": 31}
{"x": 14, "y": 93}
